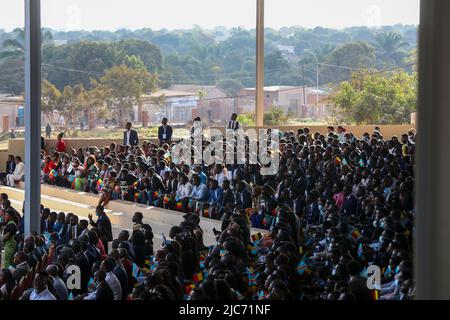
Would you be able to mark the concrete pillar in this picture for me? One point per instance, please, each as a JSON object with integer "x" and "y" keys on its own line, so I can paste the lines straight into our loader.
{"x": 32, "y": 116}
{"x": 140, "y": 115}
{"x": 92, "y": 120}
{"x": 5, "y": 123}
{"x": 432, "y": 236}
{"x": 259, "y": 106}
{"x": 144, "y": 117}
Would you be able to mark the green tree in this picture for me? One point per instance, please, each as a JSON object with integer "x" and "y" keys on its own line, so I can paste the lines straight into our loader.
{"x": 149, "y": 53}
{"x": 350, "y": 55}
{"x": 275, "y": 117}
{"x": 246, "y": 119}
{"x": 124, "y": 86}
{"x": 65, "y": 105}
{"x": 15, "y": 47}
{"x": 374, "y": 98}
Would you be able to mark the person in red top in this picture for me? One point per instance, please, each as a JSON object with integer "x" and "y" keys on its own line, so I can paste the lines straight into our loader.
{"x": 61, "y": 145}
{"x": 49, "y": 165}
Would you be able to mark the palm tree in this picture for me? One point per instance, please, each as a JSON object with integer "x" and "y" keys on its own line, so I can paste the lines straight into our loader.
{"x": 15, "y": 46}
{"x": 389, "y": 45}
{"x": 324, "y": 52}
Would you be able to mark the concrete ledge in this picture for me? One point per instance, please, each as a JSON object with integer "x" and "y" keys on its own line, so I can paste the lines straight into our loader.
{"x": 120, "y": 212}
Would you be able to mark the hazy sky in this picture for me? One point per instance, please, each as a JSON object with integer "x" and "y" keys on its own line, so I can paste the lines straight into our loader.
{"x": 172, "y": 14}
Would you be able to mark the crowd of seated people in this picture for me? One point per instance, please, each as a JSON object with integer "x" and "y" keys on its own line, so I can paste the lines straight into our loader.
{"x": 336, "y": 206}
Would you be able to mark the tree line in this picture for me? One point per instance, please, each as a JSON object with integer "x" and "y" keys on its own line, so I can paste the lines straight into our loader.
{"x": 222, "y": 57}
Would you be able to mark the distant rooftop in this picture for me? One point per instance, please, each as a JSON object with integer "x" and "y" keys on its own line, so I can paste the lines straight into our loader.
{"x": 172, "y": 94}
{"x": 273, "y": 88}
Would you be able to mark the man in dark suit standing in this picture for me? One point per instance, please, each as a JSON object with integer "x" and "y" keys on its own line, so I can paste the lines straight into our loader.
{"x": 312, "y": 209}
{"x": 350, "y": 206}
{"x": 73, "y": 231}
{"x": 130, "y": 136}
{"x": 165, "y": 133}
{"x": 104, "y": 225}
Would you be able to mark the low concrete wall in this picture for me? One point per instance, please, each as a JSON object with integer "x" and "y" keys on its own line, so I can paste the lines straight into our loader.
{"x": 120, "y": 212}
{"x": 17, "y": 146}
{"x": 388, "y": 131}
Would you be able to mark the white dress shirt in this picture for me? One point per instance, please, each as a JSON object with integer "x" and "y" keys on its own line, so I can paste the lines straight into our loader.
{"x": 184, "y": 190}
{"x": 128, "y": 137}
{"x": 19, "y": 169}
{"x": 44, "y": 295}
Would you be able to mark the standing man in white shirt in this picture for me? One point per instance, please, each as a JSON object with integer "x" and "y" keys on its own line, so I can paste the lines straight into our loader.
{"x": 233, "y": 124}
{"x": 130, "y": 136}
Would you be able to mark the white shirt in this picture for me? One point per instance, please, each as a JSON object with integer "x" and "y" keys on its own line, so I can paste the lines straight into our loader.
{"x": 44, "y": 295}
{"x": 183, "y": 190}
{"x": 220, "y": 177}
{"x": 114, "y": 283}
{"x": 128, "y": 137}
{"x": 233, "y": 125}
{"x": 19, "y": 169}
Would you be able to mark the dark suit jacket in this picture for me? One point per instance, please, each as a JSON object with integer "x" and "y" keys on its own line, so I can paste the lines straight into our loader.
{"x": 243, "y": 199}
{"x": 169, "y": 132}
{"x": 104, "y": 225}
{"x": 73, "y": 232}
{"x": 299, "y": 204}
{"x": 350, "y": 206}
{"x": 122, "y": 276}
{"x": 358, "y": 286}
{"x": 10, "y": 166}
{"x": 134, "y": 139}
{"x": 82, "y": 261}
{"x": 313, "y": 213}
{"x": 104, "y": 292}
{"x": 20, "y": 271}
{"x": 172, "y": 187}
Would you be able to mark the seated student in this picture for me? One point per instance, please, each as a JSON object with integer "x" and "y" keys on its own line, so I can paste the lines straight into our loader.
{"x": 10, "y": 167}
{"x": 215, "y": 199}
{"x": 65, "y": 171}
{"x": 183, "y": 192}
{"x": 102, "y": 291}
{"x": 154, "y": 188}
{"x": 199, "y": 194}
{"x": 40, "y": 290}
{"x": 20, "y": 266}
{"x": 171, "y": 190}
{"x": 7, "y": 284}
{"x": 58, "y": 284}
{"x": 17, "y": 174}
{"x": 48, "y": 168}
